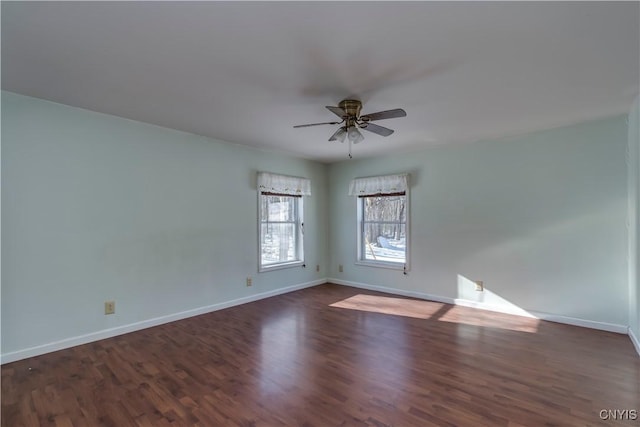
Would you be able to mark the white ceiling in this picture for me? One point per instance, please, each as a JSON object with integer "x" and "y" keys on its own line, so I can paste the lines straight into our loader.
{"x": 246, "y": 72}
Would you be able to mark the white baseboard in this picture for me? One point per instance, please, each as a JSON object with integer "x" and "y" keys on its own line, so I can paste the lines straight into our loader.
{"x": 635, "y": 341}
{"x": 120, "y": 330}
{"x": 132, "y": 327}
{"x": 603, "y": 326}
{"x": 402, "y": 292}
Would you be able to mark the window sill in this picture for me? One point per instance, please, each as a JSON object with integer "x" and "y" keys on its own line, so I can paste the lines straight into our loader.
{"x": 387, "y": 265}
{"x": 280, "y": 266}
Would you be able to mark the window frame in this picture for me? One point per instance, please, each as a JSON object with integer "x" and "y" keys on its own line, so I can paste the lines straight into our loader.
{"x": 298, "y": 233}
{"x": 360, "y": 255}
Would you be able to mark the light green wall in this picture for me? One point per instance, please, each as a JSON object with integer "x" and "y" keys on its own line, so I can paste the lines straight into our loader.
{"x": 96, "y": 208}
{"x": 634, "y": 229}
{"x": 541, "y": 219}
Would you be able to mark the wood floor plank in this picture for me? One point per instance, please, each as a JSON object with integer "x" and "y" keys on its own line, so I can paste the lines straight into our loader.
{"x": 332, "y": 356}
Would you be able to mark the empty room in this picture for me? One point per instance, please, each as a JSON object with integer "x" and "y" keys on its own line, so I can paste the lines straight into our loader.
{"x": 320, "y": 214}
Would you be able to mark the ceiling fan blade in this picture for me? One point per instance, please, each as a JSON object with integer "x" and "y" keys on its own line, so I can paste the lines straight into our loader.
{"x": 337, "y": 111}
{"x": 380, "y": 130}
{"x": 388, "y": 114}
{"x": 316, "y": 124}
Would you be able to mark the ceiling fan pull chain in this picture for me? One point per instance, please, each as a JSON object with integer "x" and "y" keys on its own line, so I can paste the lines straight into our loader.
{"x": 350, "y": 156}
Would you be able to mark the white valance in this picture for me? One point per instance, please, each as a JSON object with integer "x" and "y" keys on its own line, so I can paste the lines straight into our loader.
{"x": 388, "y": 184}
{"x": 283, "y": 184}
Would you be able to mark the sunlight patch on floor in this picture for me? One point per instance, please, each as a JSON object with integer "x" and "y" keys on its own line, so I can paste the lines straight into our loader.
{"x": 388, "y": 305}
{"x": 488, "y": 319}
{"x": 422, "y": 309}
{"x": 489, "y": 301}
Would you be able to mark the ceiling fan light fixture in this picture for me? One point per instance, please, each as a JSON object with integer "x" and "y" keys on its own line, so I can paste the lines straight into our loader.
{"x": 341, "y": 134}
{"x": 354, "y": 135}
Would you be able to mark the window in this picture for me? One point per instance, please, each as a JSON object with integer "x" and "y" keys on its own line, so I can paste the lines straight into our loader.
{"x": 281, "y": 227}
{"x": 382, "y": 210}
{"x": 383, "y": 228}
{"x": 280, "y": 230}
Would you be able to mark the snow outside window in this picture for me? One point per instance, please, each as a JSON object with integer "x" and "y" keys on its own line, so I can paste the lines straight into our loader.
{"x": 383, "y": 230}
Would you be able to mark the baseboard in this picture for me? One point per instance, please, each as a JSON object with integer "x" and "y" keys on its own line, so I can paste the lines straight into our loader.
{"x": 125, "y": 329}
{"x": 132, "y": 327}
{"x": 603, "y": 326}
{"x": 394, "y": 291}
{"x": 635, "y": 341}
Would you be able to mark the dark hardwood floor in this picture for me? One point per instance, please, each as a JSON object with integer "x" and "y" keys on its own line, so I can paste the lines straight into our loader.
{"x": 332, "y": 356}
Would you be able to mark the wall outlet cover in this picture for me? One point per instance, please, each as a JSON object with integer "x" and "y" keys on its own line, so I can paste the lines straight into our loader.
{"x": 109, "y": 307}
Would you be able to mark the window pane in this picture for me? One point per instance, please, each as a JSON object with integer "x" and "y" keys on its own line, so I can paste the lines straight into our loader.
{"x": 384, "y": 229}
{"x": 280, "y": 236}
{"x": 278, "y": 208}
{"x": 278, "y": 243}
{"x": 390, "y": 208}
{"x": 384, "y": 242}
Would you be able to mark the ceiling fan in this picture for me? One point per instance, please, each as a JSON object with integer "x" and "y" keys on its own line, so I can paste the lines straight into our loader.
{"x": 349, "y": 112}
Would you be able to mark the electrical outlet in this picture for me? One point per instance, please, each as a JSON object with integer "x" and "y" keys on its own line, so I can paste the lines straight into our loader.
{"x": 249, "y": 281}
{"x": 479, "y": 285}
{"x": 318, "y": 268}
{"x": 341, "y": 268}
{"x": 109, "y": 307}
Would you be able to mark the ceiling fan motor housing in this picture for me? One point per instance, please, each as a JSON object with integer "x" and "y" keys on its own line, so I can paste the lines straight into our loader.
{"x": 352, "y": 107}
